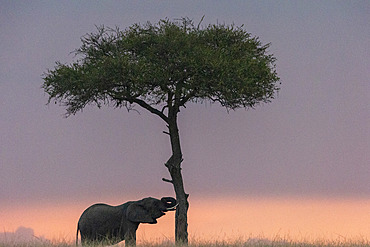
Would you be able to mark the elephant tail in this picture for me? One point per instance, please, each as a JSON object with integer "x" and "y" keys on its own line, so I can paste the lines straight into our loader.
{"x": 78, "y": 228}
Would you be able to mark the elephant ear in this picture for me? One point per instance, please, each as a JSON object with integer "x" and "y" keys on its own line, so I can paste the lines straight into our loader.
{"x": 137, "y": 213}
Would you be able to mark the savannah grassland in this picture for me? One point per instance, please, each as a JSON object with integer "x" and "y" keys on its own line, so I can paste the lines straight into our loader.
{"x": 326, "y": 223}
{"x": 251, "y": 242}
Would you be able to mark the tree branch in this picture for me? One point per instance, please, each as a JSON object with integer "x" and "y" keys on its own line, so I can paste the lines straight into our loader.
{"x": 164, "y": 108}
{"x": 148, "y": 107}
{"x": 167, "y": 133}
{"x": 167, "y": 180}
{"x": 188, "y": 97}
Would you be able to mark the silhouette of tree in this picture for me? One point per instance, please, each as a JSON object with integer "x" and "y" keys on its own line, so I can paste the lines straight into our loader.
{"x": 162, "y": 67}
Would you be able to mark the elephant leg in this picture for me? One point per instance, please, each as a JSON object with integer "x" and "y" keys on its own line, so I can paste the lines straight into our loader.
{"x": 84, "y": 241}
{"x": 130, "y": 238}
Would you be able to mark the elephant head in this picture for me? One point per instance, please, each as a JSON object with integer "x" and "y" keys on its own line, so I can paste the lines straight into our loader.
{"x": 148, "y": 210}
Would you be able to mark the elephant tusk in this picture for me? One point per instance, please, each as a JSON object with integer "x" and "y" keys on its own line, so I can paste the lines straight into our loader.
{"x": 172, "y": 208}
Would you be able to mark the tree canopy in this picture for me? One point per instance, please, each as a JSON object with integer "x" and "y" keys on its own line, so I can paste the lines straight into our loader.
{"x": 163, "y": 66}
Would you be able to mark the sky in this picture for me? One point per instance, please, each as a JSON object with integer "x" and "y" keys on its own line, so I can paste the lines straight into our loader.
{"x": 312, "y": 141}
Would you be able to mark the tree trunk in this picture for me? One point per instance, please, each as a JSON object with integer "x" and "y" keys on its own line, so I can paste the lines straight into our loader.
{"x": 174, "y": 167}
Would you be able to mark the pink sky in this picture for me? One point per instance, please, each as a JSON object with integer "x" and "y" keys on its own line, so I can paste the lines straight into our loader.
{"x": 312, "y": 141}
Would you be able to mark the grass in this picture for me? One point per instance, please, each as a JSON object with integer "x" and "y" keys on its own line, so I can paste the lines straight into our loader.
{"x": 251, "y": 242}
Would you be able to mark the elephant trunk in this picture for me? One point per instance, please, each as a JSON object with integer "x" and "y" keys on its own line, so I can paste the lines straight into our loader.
{"x": 170, "y": 203}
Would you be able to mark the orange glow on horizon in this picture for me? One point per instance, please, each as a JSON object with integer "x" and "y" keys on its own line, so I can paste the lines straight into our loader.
{"x": 218, "y": 219}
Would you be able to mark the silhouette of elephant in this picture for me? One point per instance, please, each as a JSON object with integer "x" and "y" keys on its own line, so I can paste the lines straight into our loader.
{"x": 107, "y": 225}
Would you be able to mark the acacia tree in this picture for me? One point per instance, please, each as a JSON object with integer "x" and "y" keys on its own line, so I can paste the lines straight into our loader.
{"x": 161, "y": 67}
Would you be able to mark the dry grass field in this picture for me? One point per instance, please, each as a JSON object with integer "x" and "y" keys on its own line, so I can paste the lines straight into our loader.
{"x": 252, "y": 242}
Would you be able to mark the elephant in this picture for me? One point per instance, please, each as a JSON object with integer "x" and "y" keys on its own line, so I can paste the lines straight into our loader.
{"x": 107, "y": 225}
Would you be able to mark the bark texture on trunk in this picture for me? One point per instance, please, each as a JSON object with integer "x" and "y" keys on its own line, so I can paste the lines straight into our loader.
{"x": 174, "y": 167}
